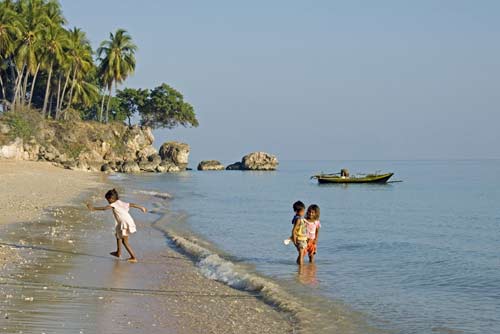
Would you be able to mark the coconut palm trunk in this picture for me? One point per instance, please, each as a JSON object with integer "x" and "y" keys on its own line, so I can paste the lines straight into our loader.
{"x": 73, "y": 82}
{"x": 25, "y": 87}
{"x": 63, "y": 93}
{"x": 17, "y": 85}
{"x": 47, "y": 89}
{"x": 102, "y": 107}
{"x": 109, "y": 100}
{"x": 33, "y": 85}
{"x": 4, "y": 96}
{"x": 58, "y": 97}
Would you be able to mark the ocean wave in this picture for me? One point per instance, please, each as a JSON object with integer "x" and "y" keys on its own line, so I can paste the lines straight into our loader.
{"x": 215, "y": 267}
{"x": 156, "y": 194}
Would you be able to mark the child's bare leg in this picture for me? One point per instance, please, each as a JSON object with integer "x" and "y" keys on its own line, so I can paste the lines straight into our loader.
{"x": 118, "y": 249}
{"x": 300, "y": 258}
{"x": 311, "y": 257}
{"x": 129, "y": 250}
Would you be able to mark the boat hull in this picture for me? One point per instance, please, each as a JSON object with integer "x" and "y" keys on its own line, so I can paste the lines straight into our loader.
{"x": 383, "y": 178}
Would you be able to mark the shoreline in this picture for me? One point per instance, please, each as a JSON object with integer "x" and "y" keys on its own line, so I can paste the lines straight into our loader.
{"x": 61, "y": 256}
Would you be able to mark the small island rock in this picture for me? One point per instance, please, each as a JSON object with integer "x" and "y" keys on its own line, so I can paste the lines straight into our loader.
{"x": 236, "y": 166}
{"x": 210, "y": 165}
{"x": 175, "y": 152}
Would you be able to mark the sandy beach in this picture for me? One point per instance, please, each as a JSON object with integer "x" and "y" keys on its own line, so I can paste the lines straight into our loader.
{"x": 57, "y": 276}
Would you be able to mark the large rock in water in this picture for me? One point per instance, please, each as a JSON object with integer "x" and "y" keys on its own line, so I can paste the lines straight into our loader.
{"x": 210, "y": 165}
{"x": 259, "y": 161}
{"x": 130, "y": 167}
{"x": 175, "y": 152}
{"x": 236, "y": 166}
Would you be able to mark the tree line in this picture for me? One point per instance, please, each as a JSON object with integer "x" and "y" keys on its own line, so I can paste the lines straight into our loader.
{"x": 53, "y": 69}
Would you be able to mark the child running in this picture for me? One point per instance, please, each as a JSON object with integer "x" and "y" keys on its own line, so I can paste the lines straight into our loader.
{"x": 299, "y": 232}
{"x": 312, "y": 229}
{"x": 124, "y": 223}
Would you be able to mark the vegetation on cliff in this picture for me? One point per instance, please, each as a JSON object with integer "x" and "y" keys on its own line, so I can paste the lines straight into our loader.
{"x": 47, "y": 66}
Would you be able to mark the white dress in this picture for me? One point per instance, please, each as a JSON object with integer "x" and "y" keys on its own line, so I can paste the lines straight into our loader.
{"x": 124, "y": 223}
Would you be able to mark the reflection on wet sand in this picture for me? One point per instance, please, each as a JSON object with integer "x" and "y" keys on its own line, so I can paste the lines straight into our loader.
{"x": 306, "y": 274}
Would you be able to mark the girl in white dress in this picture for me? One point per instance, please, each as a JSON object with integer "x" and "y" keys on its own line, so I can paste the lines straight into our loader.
{"x": 124, "y": 223}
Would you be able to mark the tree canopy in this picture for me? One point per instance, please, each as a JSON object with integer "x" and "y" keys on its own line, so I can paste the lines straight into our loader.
{"x": 161, "y": 107}
{"x": 47, "y": 66}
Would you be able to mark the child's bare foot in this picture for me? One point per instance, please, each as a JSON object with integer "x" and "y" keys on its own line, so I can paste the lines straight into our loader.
{"x": 132, "y": 260}
{"x": 115, "y": 254}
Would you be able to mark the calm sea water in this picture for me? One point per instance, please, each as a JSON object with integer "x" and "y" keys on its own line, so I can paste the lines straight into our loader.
{"x": 420, "y": 256}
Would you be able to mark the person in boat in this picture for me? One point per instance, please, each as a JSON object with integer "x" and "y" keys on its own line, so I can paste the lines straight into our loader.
{"x": 344, "y": 173}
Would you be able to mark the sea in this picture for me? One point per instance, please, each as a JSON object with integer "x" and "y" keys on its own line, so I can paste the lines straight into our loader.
{"x": 417, "y": 256}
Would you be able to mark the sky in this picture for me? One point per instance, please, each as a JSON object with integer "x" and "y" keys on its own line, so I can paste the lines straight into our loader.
{"x": 318, "y": 80}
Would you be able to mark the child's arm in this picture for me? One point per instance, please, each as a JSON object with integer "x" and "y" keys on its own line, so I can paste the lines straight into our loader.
{"x": 317, "y": 235}
{"x": 143, "y": 209}
{"x": 294, "y": 232}
{"x": 102, "y": 208}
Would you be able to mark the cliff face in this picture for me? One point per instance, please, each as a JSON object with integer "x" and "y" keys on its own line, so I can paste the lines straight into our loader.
{"x": 84, "y": 145}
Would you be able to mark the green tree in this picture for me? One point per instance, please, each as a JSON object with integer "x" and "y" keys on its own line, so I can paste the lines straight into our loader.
{"x": 117, "y": 62}
{"x": 80, "y": 53}
{"x": 34, "y": 20}
{"x": 165, "y": 108}
{"x": 132, "y": 101}
{"x": 55, "y": 39}
{"x": 10, "y": 31}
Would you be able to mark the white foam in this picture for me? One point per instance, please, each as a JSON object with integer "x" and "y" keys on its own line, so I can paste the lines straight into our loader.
{"x": 156, "y": 194}
{"x": 217, "y": 268}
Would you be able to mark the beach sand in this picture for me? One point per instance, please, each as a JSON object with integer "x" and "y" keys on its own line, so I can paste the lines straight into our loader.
{"x": 59, "y": 278}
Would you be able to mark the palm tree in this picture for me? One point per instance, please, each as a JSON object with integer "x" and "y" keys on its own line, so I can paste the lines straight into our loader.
{"x": 53, "y": 17}
{"x": 54, "y": 38}
{"x": 34, "y": 20}
{"x": 80, "y": 53}
{"x": 9, "y": 32}
{"x": 117, "y": 62}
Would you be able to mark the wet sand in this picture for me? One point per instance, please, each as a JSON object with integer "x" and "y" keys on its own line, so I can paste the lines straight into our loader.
{"x": 62, "y": 280}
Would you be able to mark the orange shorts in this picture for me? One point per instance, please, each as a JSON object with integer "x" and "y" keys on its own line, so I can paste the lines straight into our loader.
{"x": 311, "y": 247}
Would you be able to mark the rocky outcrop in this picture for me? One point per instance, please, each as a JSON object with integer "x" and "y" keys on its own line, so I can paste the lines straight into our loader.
{"x": 89, "y": 146}
{"x": 260, "y": 161}
{"x": 130, "y": 167}
{"x": 168, "y": 167}
{"x": 176, "y": 153}
{"x": 236, "y": 166}
{"x": 210, "y": 165}
{"x": 13, "y": 150}
{"x": 256, "y": 161}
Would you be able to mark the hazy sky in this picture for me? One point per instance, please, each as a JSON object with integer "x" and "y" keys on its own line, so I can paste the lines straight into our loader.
{"x": 319, "y": 79}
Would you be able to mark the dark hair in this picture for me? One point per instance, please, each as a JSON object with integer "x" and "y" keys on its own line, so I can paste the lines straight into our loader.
{"x": 297, "y": 206}
{"x": 112, "y": 195}
{"x": 315, "y": 208}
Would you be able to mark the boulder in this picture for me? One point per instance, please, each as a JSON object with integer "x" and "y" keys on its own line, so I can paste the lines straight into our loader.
{"x": 167, "y": 167}
{"x": 4, "y": 129}
{"x": 210, "y": 165}
{"x": 175, "y": 152}
{"x": 14, "y": 150}
{"x": 130, "y": 167}
{"x": 236, "y": 166}
{"x": 259, "y": 161}
{"x": 106, "y": 168}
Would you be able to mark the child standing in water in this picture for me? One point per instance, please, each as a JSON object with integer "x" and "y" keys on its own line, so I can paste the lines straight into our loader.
{"x": 312, "y": 228}
{"x": 299, "y": 232}
{"x": 124, "y": 223}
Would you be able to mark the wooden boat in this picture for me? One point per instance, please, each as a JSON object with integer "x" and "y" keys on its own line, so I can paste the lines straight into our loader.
{"x": 336, "y": 178}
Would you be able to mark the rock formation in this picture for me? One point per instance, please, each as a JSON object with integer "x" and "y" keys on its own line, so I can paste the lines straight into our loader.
{"x": 210, "y": 165}
{"x": 256, "y": 161}
{"x": 176, "y": 153}
{"x": 92, "y": 146}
